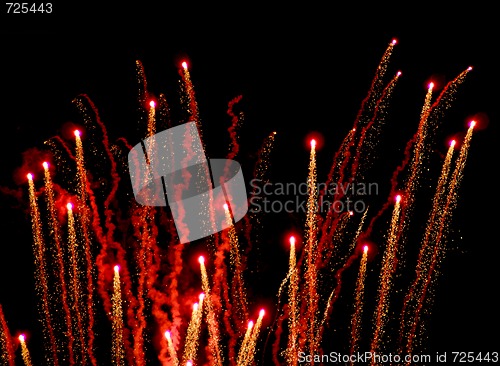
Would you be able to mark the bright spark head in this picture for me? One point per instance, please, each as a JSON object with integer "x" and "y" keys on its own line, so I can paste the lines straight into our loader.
{"x": 116, "y": 268}
{"x": 22, "y": 338}
{"x": 201, "y": 259}
{"x": 365, "y": 249}
{"x": 45, "y": 165}
{"x": 261, "y": 313}
{"x": 69, "y": 206}
{"x": 30, "y": 176}
{"x": 469, "y": 68}
{"x": 77, "y": 133}
{"x": 472, "y": 124}
{"x": 313, "y": 143}
{"x": 152, "y": 104}
{"x": 398, "y": 198}
{"x": 431, "y": 85}
{"x": 353, "y": 130}
{"x": 226, "y": 207}
{"x": 201, "y": 297}
{"x": 292, "y": 240}
{"x": 250, "y": 324}
{"x": 189, "y": 363}
{"x": 351, "y": 213}
{"x": 452, "y": 143}
{"x": 167, "y": 334}
{"x": 399, "y": 73}
{"x": 394, "y": 41}
{"x": 184, "y": 65}
{"x": 195, "y": 306}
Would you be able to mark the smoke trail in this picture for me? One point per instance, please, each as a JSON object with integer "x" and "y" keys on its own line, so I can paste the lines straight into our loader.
{"x": 234, "y": 147}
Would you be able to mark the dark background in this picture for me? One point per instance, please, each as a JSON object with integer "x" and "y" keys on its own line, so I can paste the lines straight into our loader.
{"x": 299, "y": 70}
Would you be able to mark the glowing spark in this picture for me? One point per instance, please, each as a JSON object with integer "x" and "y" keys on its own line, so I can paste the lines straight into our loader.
{"x": 77, "y": 133}
{"x": 184, "y": 65}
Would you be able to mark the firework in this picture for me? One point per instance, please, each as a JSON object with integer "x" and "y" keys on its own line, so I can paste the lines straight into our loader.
{"x": 147, "y": 298}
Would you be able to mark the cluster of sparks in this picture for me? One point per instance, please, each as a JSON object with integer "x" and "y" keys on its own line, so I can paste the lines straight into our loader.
{"x": 138, "y": 281}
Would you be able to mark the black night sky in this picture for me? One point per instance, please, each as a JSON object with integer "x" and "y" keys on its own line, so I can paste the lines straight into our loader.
{"x": 300, "y": 71}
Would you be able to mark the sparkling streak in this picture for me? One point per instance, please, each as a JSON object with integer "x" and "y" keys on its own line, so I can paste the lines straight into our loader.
{"x": 249, "y": 354}
{"x": 118, "y": 350}
{"x": 85, "y": 222}
{"x": 59, "y": 259}
{"x": 293, "y": 289}
{"x": 213, "y": 327}
{"x": 171, "y": 349}
{"x": 6, "y": 348}
{"x": 42, "y": 286}
{"x": 451, "y": 202}
{"x": 244, "y": 345}
{"x": 193, "y": 332}
{"x": 239, "y": 291}
{"x": 311, "y": 275}
{"x": 426, "y": 246}
{"x": 25, "y": 354}
{"x": 388, "y": 268}
{"x": 74, "y": 282}
{"x": 358, "y": 303}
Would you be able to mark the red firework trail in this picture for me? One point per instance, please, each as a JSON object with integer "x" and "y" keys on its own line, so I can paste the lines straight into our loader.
{"x": 445, "y": 95}
{"x": 105, "y": 260}
{"x": 336, "y": 292}
{"x": 7, "y": 355}
{"x": 75, "y": 281}
{"x": 65, "y": 146}
{"x": 58, "y": 255}
{"x": 451, "y": 201}
{"x": 220, "y": 293}
{"x": 233, "y": 133}
{"x": 378, "y": 109}
{"x": 193, "y": 105}
{"x": 41, "y": 274}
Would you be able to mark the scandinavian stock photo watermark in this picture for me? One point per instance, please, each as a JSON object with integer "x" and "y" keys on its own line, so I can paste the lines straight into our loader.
{"x": 290, "y": 197}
